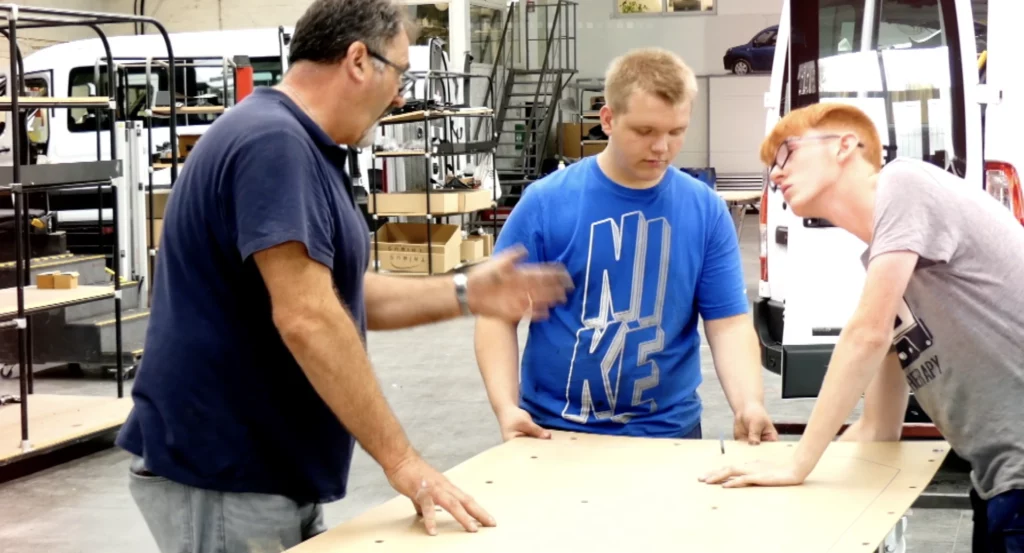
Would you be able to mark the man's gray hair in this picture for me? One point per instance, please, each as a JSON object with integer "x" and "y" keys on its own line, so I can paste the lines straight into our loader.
{"x": 328, "y": 28}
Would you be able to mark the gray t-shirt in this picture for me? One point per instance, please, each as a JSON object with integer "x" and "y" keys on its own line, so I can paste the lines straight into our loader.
{"x": 960, "y": 334}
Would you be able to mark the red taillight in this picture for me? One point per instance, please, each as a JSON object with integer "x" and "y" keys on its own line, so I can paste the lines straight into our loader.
{"x": 763, "y": 224}
{"x": 1003, "y": 184}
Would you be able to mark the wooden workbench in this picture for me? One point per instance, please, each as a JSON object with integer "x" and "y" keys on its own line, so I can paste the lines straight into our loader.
{"x": 598, "y": 494}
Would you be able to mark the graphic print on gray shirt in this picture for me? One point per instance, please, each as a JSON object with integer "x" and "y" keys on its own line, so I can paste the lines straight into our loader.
{"x": 960, "y": 333}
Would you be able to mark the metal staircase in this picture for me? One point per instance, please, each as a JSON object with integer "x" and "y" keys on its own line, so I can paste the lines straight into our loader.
{"x": 530, "y": 74}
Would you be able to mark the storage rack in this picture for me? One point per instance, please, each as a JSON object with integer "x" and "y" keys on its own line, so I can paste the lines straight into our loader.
{"x": 583, "y": 114}
{"x": 228, "y": 67}
{"x": 24, "y": 179}
{"x": 172, "y": 112}
{"x": 430, "y": 152}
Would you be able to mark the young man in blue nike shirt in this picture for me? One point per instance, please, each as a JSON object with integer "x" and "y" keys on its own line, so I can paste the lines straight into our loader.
{"x": 650, "y": 250}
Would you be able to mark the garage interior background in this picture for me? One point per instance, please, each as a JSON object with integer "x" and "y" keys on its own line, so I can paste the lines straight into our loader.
{"x": 733, "y": 102}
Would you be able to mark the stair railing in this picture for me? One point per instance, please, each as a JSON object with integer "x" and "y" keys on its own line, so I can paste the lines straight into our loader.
{"x": 511, "y": 14}
{"x": 533, "y": 130}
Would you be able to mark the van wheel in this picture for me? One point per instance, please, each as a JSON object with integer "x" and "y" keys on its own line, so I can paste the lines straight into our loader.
{"x": 741, "y": 67}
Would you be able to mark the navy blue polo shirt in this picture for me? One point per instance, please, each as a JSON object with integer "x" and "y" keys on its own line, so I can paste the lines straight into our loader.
{"x": 219, "y": 401}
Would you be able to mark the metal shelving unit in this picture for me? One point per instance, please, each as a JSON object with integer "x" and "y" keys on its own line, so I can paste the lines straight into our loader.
{"x": 444, "y": 149}
{"x": 91, "y": 415}
{"x": 171, "y": 112}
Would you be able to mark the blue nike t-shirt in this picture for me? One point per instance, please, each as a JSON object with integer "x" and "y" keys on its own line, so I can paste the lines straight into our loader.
{"x": 622, "y": 355}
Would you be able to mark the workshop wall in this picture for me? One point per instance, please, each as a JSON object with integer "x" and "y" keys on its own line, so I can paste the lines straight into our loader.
{"x": 733, "y": 104}
{"x": 700, "y": 39}
{"x": 208, "y": 15}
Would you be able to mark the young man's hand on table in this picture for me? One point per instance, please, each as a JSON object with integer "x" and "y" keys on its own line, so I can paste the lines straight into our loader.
{"x": 754, "y": 425}
{"x": 516, "y": 422}
{"x": 856, "y": 367}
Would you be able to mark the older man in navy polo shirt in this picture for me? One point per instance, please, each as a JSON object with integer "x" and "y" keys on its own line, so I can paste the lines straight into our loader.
{"x": 256, "y": 383}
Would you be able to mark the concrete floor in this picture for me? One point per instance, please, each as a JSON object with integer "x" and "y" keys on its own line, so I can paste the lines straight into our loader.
{"x": 83, "y": 505}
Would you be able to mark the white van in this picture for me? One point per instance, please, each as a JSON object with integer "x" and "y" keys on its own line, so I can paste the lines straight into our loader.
{"x": 940, "y": 79}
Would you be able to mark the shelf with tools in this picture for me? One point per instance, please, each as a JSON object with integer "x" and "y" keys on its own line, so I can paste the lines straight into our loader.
{"x": 37, "y": 302}
{"x": 429, "y": 245}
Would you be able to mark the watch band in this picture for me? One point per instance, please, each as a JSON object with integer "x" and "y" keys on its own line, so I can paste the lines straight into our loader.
{"x": 462, "y": 292}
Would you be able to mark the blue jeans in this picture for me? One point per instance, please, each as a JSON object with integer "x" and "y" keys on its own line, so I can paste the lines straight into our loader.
{"x": 998, "y": 523}
{"x": 183, "y": 519}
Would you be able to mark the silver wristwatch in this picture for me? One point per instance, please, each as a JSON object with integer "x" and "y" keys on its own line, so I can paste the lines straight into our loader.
{"x": 461, "y": 292}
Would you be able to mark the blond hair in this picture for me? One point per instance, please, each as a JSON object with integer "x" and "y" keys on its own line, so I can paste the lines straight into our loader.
{"x": 831, "y": 116}
{"x": 653, "y": 70}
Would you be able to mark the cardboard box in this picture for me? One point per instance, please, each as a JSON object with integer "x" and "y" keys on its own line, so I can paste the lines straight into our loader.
{"x": 185, "y": 144}
{"x": 403, "y": 247}
{"x": 593, "y": 147}
{"x": 44, "y": 281}
{"x": 483, "y": 245}
{"x": 472, "y": 249}
{"x": 442, "y": 202}
{"x": 160, "y": 198}
{"x": 158, "y": 229}
{"x": 65, "y": 281}
{"x": 572, "y": 134}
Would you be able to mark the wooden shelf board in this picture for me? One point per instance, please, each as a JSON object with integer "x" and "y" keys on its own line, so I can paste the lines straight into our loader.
{"x": 41, "y": 300}
{"x": 422, "y": 115}
{"x": 434, "y": 214}
{"x": 400, "y": 153}
{"x": 740, "y": 196}
{"x": 557, "y": 494}
{"x": 56, "y": 420}
{"x": 591, "y": 114}
{"x": 189, "y": 110}
{"x": 53, "y": 101}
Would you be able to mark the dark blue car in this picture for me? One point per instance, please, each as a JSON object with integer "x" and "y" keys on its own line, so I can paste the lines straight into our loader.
{"x": 755, "y": 56}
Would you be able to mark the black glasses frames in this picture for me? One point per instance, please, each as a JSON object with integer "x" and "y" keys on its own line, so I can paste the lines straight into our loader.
{"x": 406, "y": 81}
{"x": 785, "y": 151}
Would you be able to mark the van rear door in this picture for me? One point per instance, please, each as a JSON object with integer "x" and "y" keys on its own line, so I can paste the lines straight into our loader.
{"x": 1002, "y": 104}
{"x": 899, "y": 61}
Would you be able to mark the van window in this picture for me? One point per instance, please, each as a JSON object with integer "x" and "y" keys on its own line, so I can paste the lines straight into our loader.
{"x": 902, "y": 81}
{"x": 266, "y": 71}
{"x": 195, "y": 85}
